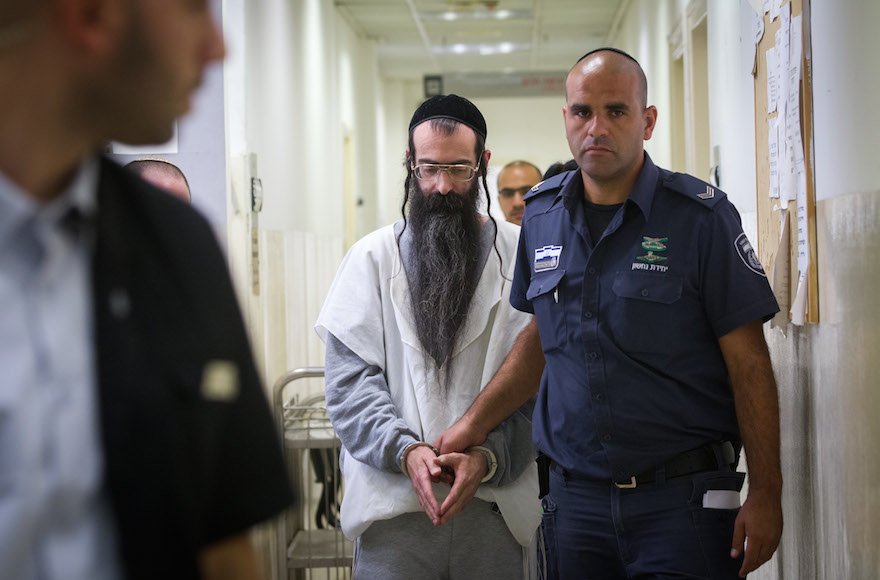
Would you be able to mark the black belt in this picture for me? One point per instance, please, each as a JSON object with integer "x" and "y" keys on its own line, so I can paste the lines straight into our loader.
{"x": 693, "y": 461}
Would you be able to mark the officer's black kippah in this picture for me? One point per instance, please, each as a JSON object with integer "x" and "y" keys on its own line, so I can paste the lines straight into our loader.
{"x": 617, "y": 50}
{"x": 450, "y": 107}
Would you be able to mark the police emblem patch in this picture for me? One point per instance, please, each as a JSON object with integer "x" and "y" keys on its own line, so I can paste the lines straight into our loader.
{"x": 651, "y": 257}
{"x": 547, "y": 258}
{"x": 653, "y": 245}
{"x": 747, "y": 254}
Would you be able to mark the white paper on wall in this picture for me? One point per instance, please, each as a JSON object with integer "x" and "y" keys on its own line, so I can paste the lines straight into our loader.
{"x": 773, "y": 148}
{"x": 772, "y": 80}
{"x": 757, "y": 35}
{"x": 803, "y": 239}
{"x": 793, "y": 107}
{"x": 794, "y": 147}
{"x": 782, "y": 55}
{"x": 787, "y": 187}
{"x": 775, "y": 8}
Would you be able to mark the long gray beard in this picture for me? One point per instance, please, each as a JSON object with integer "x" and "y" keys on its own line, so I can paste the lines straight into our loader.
{"x": 443, "y": 276}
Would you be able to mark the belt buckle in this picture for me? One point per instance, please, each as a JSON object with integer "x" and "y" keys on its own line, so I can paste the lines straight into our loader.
{"x": 631, "y": 485}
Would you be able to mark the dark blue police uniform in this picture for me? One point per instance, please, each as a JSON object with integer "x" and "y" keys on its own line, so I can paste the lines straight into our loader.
{"x": 635, "y": 390}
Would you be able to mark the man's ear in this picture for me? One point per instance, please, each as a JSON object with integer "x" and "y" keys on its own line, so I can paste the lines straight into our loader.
{"x": 487, "y": 154}
{"x": 650, "y": 121}
{"x": 93, "y": 27}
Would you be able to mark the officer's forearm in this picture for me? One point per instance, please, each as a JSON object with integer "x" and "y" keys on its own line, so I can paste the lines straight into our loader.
{"x": 757, "y": 404}
{"x": 516, "y": 381}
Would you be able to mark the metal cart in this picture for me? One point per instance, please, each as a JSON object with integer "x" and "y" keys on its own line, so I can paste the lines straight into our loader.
{"x": 311, "y": 544}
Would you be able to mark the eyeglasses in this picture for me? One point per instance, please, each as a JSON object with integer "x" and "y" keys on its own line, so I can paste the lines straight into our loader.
{"x": 455, "y": 172}
{"x": 508, "y": 192}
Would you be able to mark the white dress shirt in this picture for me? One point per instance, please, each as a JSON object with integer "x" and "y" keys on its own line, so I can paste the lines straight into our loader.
{"x": 55, "y": 520}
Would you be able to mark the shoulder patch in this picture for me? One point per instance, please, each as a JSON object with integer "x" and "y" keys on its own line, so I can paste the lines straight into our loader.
{"x": 694, "y": 188}
{"x": 552, "y": 184}
{"x": 747, "y": 254}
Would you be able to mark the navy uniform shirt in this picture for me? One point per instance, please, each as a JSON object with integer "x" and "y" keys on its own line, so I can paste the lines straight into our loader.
{"x": 630, "y": 327}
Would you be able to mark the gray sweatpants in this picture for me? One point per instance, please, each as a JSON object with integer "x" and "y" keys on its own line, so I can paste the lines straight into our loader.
{"x": 474, "y": 545}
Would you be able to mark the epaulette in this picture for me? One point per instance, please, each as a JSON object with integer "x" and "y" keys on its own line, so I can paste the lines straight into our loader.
{"x": 552, "y": 183}
{"x": 696, "y": 189}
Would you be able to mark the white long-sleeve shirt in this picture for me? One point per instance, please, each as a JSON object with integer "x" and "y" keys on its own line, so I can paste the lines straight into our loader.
{"x": 368, "y": 310}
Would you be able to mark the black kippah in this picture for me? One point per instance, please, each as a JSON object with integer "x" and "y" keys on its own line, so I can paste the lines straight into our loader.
{"x": 608, "y": 48}
{"x": 450, "y": 107}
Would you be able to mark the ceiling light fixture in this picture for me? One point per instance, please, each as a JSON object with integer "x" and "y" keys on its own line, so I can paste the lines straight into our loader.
{"x": 483, "y": 49}
{"x": 453, "y": 16}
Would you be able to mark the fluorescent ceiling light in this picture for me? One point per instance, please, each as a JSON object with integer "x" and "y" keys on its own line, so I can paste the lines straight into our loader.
{"x": 483, "y": 49}
{"x": 453, "y": 16}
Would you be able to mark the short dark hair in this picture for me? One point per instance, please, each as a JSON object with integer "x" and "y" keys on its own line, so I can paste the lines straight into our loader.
{"x": 163, "y": 166}
{"x": 640, "y": 73}
{"x": 560, "y": 167}
{"x": 519, "y": 163}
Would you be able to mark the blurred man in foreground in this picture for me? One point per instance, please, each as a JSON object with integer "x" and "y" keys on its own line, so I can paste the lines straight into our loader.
{"x": 135, "y": 440}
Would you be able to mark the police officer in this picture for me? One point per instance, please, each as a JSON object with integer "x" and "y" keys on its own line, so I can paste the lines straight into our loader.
{"x": 649, "y": 302}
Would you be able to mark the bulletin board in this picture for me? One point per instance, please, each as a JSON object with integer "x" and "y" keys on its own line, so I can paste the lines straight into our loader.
{"x": 788, "y": 253}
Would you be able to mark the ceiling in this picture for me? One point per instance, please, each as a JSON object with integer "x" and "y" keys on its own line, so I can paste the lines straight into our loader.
{"x": 418, "y": 37}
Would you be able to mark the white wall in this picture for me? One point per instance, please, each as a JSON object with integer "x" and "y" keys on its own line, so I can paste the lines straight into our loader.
{"x": 845, "y": 90}
{"x": 300, "y": 83}
{"x": 644, "y": 33}
{"x": 732, "y": 100}
{"x": 529, "y": 128}
{"x": 291, "y": 120}
{"x": 840, "y": 360}
{"x": 270, "y": 82}
{"x": 359, "y": 93}
{"x": 398, "y": 100}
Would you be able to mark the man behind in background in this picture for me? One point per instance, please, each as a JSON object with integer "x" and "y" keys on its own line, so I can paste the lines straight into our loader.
{"x": 164, "y": 175}
{"x": 514, "y": 181}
